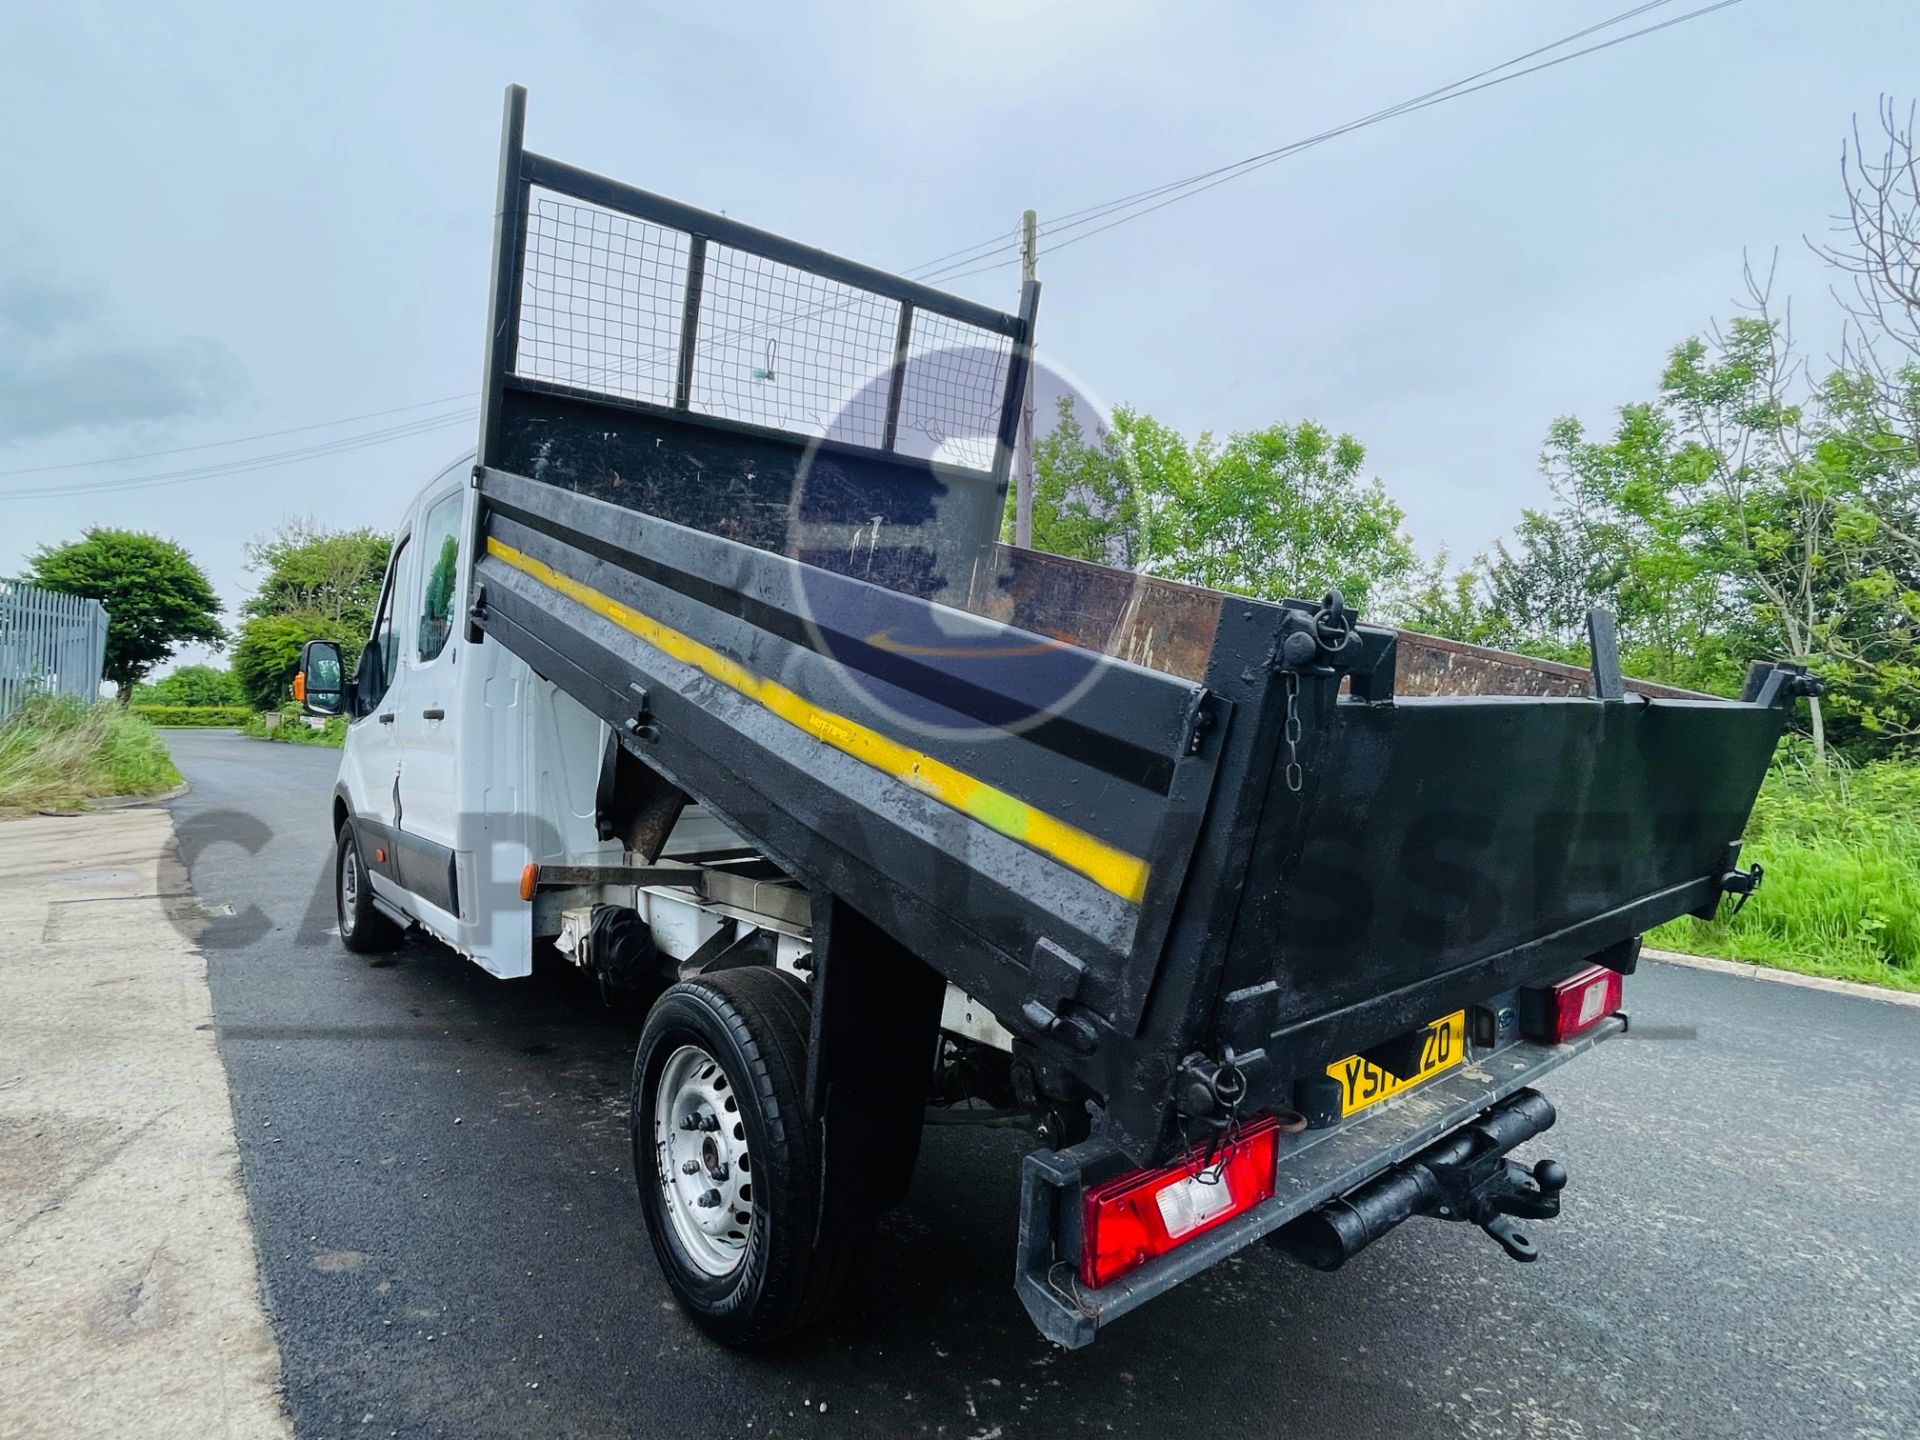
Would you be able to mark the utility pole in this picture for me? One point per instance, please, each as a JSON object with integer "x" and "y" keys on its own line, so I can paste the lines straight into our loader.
{"x": 1023, "y": 462}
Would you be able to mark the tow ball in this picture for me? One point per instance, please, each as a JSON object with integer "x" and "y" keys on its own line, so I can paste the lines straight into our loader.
{"x": 1466, "y": 1177}
{"x": 1510, "y": 1191}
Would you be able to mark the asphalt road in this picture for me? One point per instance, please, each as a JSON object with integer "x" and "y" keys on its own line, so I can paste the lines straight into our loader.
{"x": 437, "y": 1169}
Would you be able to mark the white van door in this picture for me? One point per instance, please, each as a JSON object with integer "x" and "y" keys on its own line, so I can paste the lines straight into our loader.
{"x": 425, "y": 725}
{"x": 370, "y": 764}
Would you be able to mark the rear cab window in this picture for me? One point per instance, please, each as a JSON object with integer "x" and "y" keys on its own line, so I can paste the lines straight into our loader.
{"x": 439, "y": 538}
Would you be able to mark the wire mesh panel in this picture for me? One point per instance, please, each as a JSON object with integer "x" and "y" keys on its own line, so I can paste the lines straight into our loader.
{"x": 952, "y": 390}
{"x": 602, "y": 299}
{"x": 786, "y": 348}
{"x": 50, "y": 644}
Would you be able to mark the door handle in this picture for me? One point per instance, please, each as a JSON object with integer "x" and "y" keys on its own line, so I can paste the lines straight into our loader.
{"x": 387, "y": 719}
{"x": 434, "y": 714}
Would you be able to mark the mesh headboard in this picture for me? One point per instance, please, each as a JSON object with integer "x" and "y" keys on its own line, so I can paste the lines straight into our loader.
{"x": 683, "y": 364}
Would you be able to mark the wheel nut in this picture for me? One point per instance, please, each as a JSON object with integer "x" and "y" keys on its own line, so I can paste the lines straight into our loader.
{"x": 708, "y": 1200}
{"x": 690, "y": 1167}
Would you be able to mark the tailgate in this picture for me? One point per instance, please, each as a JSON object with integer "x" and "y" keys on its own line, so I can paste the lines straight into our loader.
{"x": 1438, "y": 850}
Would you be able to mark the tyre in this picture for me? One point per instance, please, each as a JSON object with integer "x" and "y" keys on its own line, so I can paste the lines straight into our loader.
{"x": 363, "y": 929}
{"x": 727, "y": 1163}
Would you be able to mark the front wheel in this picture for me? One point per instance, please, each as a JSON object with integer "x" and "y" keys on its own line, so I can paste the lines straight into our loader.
{"x": 727, "y": 1162}
{"x": 363, "y": 929}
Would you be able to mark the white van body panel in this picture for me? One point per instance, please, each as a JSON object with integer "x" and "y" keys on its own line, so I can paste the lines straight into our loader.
{"x": 478, "y": 757}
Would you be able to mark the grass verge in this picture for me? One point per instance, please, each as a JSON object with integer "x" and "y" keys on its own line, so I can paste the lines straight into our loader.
{"x": 1842, "y": 893}
{"x": 57, "y": 753}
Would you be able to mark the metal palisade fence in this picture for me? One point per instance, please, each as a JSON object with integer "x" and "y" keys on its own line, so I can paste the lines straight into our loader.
{"x": 50, "y": 644}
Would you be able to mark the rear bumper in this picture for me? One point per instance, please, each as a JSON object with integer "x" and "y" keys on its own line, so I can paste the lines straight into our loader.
{"x": 1315, "y": 1166}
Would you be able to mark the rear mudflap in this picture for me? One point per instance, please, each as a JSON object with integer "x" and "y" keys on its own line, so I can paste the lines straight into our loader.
{"x": 1315, "y": 1167}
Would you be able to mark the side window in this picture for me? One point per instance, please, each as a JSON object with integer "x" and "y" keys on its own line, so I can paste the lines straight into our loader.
{"x": 377, "y": 661}
{"x": 440, "y": 558}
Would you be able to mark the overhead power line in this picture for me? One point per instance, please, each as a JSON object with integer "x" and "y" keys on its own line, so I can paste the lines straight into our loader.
{"x": 240, "y": 439}
{"x": 961, "y": 264}
{"x": 1260, "y": 162}
{"x": 248, "y": 464}
{"x": 955, "y": 265}
{"x": 1094, "y": 212}
{"x": 1159, "y": 197}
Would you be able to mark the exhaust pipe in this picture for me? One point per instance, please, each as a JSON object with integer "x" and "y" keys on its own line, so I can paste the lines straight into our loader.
{"x": 1463, "y": 1176}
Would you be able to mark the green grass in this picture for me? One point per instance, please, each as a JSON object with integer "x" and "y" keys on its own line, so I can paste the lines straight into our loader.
{"x": 294, "y": 730}
{"x": 57, "y": 753}
{"x": 1842, "y": 893}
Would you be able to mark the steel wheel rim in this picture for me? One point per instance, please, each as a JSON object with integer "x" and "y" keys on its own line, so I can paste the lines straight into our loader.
{"x": 702, "y": 1162}
{"x": 349, "y": 888}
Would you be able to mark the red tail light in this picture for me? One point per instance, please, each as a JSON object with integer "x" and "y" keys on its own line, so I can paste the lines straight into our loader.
{"x": 1574, "y": 1006}
{"x": 1134, "y": 1218}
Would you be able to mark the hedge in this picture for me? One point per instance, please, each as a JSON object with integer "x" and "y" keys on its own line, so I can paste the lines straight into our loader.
{"x": 224, "y": 715}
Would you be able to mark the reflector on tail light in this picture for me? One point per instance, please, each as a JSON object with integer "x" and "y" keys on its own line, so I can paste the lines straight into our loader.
{"x": 1139, "y": 1216}
{"x": 1572, "y": 1007}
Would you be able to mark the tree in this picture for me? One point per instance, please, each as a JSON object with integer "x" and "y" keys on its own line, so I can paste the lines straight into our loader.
{"x": 316, "y": 584}
{"x": 1874, "y": 402}
{"x": 268, "y": 653}
{"x": 192, "y": 685}
{"x": 1280, "y": 512}
{"x": 1878, "y": 251}
{"x": 1873, "y": 647}
{"x": 1736, "y": 514}
{"x": 306, "y": 569}
{"x": 1274, "y": 513}
{"x": 156, "y": 597}
{"x": 1086, "y": 496}
{"x": 1444, "y": 601}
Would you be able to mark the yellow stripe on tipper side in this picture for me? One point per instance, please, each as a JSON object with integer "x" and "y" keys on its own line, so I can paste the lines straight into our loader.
{"x": 1125, "y": 875}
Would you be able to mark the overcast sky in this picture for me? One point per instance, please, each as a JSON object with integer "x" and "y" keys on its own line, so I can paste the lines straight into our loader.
{"x": 227, "y": 218}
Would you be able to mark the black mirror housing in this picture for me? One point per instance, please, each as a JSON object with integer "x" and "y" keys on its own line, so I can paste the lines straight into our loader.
{"x": 321, "y": 686}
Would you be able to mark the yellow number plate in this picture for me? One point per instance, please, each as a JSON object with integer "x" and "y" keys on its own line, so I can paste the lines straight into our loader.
{"x": 1363, "y": 1083}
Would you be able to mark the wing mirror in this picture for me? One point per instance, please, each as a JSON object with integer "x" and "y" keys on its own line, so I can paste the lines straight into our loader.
{"x": 321, "y": 684}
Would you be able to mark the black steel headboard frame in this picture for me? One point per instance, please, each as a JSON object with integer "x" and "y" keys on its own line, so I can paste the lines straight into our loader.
{"x": 521, "y": 170}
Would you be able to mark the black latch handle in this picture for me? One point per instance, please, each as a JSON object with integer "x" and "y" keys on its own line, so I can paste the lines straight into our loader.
{"x": 1741, "y": 884}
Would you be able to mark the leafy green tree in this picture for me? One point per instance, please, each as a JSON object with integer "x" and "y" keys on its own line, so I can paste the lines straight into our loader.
{"x": 316, "y": 584}
{"x": 1086, "y": 494}
{"x": 1739, "y": 513}
{"x": 156, "y": 597}
{"x": 1444, "y": 601}
{"x": 306, "y": 569}
{"x": 193, "y": 685}
{"x": 268, "y": 653}
{"x": 1873, "y": 646}
{"x": 1274, "y": 513}
{"x": 1280, "y": 512}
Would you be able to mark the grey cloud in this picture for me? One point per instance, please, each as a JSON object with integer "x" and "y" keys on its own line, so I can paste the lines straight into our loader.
{"x": 62, "y": 369}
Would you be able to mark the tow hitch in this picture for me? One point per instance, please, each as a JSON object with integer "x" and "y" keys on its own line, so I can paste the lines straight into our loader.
{"x": 1464, "y": 1176}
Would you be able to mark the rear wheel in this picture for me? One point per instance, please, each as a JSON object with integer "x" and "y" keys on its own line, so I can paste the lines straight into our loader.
{"x": 363, "y": 929}
{"x": 727, "y": 1163}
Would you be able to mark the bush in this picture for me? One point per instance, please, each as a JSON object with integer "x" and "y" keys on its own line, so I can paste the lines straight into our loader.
{"x": 57, "y": 752}
{"x": 191, "y": 685}
{"x": 293, "y": 729}
{"x": 1842, "y": 893}
{"x": 193, "y": 714}
{"x": 268, "y": 653}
